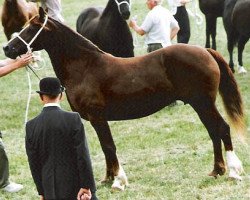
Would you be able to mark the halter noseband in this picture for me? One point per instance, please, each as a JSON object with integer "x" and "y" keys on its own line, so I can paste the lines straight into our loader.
{"x": 120, "y": 3}
{"x": 35, "y": 36}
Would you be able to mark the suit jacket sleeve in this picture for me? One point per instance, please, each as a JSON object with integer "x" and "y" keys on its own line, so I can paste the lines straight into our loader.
{"x": 86, "y": 176}
{"x": 34, "y": 161}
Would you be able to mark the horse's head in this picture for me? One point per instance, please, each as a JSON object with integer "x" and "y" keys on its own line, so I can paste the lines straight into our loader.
{"x": 124, "y": 8}
{"x": 31, "y": 37}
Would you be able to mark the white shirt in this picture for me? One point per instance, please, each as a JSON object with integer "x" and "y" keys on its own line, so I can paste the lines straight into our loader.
{"x": 54, "y": 9}
{"x": 52, "y": 104}
{"x": 157, "y": 26}
{"x": 173, "y": 4}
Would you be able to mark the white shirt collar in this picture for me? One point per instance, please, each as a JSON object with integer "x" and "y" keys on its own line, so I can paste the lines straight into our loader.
{"x": 52, "y": 104}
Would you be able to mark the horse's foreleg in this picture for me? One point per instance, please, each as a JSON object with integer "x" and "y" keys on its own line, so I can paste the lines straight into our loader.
{"x": 211, "y": 30}
{"x": 207, "y": 45}
{"x": 114, "y": 171}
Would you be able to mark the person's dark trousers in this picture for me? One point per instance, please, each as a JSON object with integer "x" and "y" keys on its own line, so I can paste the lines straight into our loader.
{"x": 153, "y": 47}
{"x": 183, "y": 20}
{"x": 4, "y": 165}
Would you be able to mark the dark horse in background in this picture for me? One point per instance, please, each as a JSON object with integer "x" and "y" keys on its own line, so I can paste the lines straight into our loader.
{"x": 15, "y": 13}
{"x": 236, "y": 19}
{"x": 212, "y": 9}
{"x": 108, "y": 28}
{"x": 105, "y": 88}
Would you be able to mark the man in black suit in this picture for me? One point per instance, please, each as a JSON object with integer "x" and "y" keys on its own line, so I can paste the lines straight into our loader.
{"x": 57, "y": 149}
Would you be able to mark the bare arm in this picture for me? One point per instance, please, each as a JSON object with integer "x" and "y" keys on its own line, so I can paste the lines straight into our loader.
{"x": 174, "y": 32}
{"x": 183, "y": 2}
{"x": 7, "y": 66}
{"x": 136, "y": 28}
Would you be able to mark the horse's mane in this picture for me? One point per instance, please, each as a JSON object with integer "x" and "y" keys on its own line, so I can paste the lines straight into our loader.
{"x": 110, "y": 5}
{"x": 74, "y": 38}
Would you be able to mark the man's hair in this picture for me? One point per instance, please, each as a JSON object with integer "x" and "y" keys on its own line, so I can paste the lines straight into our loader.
{"x": 158, "y": 2}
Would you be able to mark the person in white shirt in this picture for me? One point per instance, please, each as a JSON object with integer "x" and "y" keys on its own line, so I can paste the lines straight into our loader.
{"x": 6, "y": 67}
{"x": 52, "y": 7}
{"x": 178, "y": 9}
{"x": 159, "y": 26}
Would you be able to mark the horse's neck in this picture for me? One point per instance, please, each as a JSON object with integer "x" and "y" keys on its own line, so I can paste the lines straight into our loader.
{"x": 65, "y": 46}
{"x": 14, "y": 7}
{"x": 111, "y": 10}
{"x": 11, "y": 7}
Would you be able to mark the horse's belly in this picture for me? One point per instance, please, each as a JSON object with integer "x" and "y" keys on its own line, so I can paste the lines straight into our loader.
{"x": 136, "y": 107}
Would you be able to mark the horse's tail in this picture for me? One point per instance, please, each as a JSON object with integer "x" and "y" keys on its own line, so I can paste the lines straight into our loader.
{"x": 230, "y": 94}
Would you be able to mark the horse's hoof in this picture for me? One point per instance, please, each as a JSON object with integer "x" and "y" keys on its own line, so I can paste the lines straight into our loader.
{"x": 241, "y": 70}
{"x": 232, "y": 69}
{"x": 117, "y": 186}
{"x": 106, "y": 180}
{"x": 234, "y": 175}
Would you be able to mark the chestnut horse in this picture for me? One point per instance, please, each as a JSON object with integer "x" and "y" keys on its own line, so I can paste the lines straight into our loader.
{"x": 103, "y": 88}
{"x": 15, "y": 13}
{"x": 108, "y": 28}
{"x": 236, "y": 19}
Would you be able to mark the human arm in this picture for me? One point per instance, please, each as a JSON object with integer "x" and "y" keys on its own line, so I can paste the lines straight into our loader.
{"x": 135, "y": 27}
{"x": 34, "y": 160}
{"x": 174, "y": 26}
{"x": 183, "y": 2}
{"x": 9, "y": 65}
{"x": 84, "y": 165}
{"x": 174, "y": 32}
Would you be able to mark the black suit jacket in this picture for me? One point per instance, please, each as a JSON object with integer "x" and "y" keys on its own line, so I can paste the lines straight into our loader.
{"x": 58, "y": 154}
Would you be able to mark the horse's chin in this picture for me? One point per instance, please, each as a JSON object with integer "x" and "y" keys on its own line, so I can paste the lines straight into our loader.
{"x": 126, "y": 15}
{"x": 11, "y": 55}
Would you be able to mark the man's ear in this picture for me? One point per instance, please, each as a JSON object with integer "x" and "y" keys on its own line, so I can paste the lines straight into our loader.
{"x": 41, "y": 97}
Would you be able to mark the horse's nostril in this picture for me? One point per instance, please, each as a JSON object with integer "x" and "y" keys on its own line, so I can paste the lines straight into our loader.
{"x": 6, "y": 48}
{"x": 126, "y": 15}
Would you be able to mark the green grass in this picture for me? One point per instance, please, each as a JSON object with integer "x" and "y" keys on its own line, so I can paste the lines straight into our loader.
{"x": 166, "y": 155}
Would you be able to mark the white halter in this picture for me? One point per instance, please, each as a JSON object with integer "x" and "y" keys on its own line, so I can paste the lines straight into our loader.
{"x": 122, "y": 2}
{"x": 35, "y": 36}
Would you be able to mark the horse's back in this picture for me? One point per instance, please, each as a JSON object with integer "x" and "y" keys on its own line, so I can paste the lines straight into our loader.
{"x": 191, "y": 69}
{"x": 87, "y": 20}
{"x": 241, "y": 17}
{"x": 214, "y": 7}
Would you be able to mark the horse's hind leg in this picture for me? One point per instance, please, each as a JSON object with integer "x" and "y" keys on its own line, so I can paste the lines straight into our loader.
{"x": 218, "y": 130}
{"x": 114, "y": 170}
{"x": 241, "y": 45}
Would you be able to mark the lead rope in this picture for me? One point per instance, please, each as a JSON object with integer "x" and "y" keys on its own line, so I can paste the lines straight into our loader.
{"x": 28, "y": 66}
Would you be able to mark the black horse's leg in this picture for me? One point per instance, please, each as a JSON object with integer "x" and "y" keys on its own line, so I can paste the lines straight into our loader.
{"x": 214, "y": 125}
{"x": 207, "y": 45}
{"x": 211, "y": 30}
{"x": 113, "y": 170}
{"x": 241, "y": 45}
{"x": 230, "y": 48}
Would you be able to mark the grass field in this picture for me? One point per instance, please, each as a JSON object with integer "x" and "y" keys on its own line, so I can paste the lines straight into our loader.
{"x": 166, "y": 156}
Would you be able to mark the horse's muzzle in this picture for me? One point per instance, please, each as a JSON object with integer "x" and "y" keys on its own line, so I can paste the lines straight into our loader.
{"x": 10, "y": 52}
{"x": 125, "y": 15}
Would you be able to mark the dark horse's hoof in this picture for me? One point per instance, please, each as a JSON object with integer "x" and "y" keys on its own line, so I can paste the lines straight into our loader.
{"x": 232, "y": 69}
{"x": 218, "y": 171}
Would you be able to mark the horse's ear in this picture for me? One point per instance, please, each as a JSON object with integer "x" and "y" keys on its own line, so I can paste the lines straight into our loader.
{"x": 41, "y": 14}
